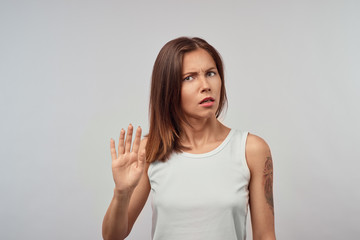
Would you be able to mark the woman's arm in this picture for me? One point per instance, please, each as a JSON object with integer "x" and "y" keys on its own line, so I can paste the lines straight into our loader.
{"x": 124, "y": 210}
{"x": 259, "y": 160}
{"x": 132, "y": 186}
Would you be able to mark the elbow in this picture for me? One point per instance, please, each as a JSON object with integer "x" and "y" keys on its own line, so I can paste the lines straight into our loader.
{"x": 113, "y": 236}
{"x": 109, "y": 237}
{"x": 265, "y": 237}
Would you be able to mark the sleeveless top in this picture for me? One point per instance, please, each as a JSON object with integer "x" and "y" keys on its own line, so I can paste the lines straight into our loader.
{"x": 202, "y": 196}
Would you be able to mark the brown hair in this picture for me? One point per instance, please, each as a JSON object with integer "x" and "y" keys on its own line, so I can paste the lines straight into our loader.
{"x": 165, "y": 109}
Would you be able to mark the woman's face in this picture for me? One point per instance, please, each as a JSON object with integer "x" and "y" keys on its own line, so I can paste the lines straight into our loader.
{"x": 200, "y": 90}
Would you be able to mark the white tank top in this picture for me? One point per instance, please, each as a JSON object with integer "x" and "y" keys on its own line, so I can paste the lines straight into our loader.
{"x": 202, "y": 196}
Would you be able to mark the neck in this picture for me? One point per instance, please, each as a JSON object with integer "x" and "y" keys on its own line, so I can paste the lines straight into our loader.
{"x": 203, "y": 132}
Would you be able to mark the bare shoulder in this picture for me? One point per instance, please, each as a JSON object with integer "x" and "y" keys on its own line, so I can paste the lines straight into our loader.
{"x": 258, "y": 157}
{"x": 256, "y": 144}
{"x": 257, "y": 151}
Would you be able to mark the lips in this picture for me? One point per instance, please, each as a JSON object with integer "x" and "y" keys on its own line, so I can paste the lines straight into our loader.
{"x": 207, "y": 99}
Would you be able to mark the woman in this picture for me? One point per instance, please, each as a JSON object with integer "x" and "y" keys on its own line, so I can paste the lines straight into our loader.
{"x": 202, "y": 174}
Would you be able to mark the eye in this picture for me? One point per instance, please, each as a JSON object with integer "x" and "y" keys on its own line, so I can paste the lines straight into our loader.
{"x": 211, "y": 74}
{"x": 188, "y": 78}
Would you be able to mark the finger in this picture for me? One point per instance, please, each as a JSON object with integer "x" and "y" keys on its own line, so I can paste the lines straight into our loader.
{"x": 137, "y": 140}
{"x": 142, "y": 158}
{"x": 121, "y": 146}
{"x": 128, "y": 138}
{"x": 112, "y": 149}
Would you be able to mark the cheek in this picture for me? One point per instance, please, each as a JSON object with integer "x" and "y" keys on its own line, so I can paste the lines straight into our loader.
{"x": 218, "y": 87}
{"x": 185, "y": 94}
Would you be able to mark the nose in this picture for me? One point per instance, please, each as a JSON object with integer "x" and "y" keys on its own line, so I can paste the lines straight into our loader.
{"x": 205, "y": 86}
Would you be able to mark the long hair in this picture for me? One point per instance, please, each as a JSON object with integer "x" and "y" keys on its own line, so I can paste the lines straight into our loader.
{"x": 165, "y": 110}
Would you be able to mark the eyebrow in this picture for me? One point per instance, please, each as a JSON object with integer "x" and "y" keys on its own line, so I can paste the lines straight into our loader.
{"x": 192, "y": 73}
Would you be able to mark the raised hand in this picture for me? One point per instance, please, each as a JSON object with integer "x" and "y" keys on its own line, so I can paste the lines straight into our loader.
{"x": 128, "y": 165}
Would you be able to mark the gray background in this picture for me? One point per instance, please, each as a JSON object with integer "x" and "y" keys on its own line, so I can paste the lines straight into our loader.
{"x": 73, "y": 73}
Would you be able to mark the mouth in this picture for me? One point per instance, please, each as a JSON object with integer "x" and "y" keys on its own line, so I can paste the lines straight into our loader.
{"x": 207, "y": 100}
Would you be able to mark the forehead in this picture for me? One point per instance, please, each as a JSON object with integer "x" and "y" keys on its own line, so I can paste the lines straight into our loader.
{"x": 198, "y": 59}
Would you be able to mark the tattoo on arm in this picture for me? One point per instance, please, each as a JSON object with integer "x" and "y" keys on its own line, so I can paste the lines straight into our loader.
{"x": 268, "y": 174}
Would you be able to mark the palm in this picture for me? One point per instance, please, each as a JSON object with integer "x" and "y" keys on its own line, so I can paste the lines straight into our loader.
{"x": 128, "y": 165}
